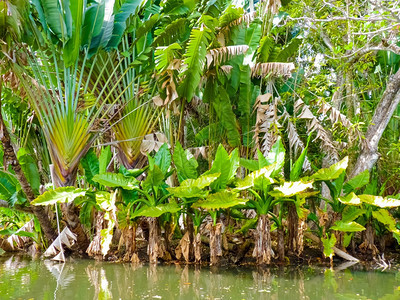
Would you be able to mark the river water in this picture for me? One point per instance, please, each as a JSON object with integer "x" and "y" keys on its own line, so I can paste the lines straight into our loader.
{"x": 25, "y": 278}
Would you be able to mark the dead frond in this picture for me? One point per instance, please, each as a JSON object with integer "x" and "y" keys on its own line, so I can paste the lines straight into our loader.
{"x": 314, "y": 125}
{"x": 16, "y": 241}
{"x": 218, "y": 55}
{"x": 266, "y": 122}
{"x": 66, "y": 238}
{"x": 261, "y": 70}
{"x": 152, "y": 141}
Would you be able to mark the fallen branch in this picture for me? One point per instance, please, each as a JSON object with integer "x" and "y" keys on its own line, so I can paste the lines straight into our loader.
{"x": 337, "y": 251}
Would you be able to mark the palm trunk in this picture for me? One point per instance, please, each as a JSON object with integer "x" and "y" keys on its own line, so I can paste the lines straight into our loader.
{"x": 11, "y": 158}
{"x": 262, "y": 248}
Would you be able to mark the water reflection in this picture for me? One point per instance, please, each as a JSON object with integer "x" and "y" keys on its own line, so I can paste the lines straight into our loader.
{"x": 22, "y": 278}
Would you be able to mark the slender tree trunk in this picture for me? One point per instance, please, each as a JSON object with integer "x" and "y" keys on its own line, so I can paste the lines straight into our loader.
{"x": 262, "y": 248}
{"x": 197, "y": 248}
{"x": 129, "y": 236}
{"x": 11, "y": 158}
{"x": 383, "y": 113}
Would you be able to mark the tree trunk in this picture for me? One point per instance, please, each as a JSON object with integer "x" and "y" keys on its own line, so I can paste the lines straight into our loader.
{"x": 129, "y": 236}
{"x": 70, "y": 212}
{"x": 197, "y": 248}
{"x": 94, "y": 248}
{"x": 293, "y": 220}
{"x": 382, "y": 115}
{"x": 262, "y": 248}
{"x": 368, "y": 246}
{"x": 11, "y": 158}
{"x": 156, "y": 247}
{"x": 215, "y": 243}
{"x": 281, "y": 244}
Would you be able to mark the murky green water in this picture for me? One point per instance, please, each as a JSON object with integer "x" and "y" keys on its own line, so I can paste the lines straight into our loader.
{"x": 23, "y": 278}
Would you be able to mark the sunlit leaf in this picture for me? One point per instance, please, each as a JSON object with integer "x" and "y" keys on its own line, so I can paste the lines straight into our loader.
{"x": 347, "y": 226}
{"x": 289, "y": 189}
{"x": 332, "y": 172}
{"x": 220, "y": 200}
{"x": 379, "y": 201}
{"x": 116, "y": 180}
{"x": 350, "y": 199}
{"x": 59, "y": 195}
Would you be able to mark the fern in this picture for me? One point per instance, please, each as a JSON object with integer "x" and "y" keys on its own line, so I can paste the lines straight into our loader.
{"x": 195, "y": 58}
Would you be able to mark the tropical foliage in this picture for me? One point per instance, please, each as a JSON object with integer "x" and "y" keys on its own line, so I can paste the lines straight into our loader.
{"x": 197, "y": 128}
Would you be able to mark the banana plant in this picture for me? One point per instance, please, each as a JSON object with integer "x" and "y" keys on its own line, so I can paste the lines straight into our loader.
{"x": 220, "y": 196}
{"x": 152, "y": 201}
{"x": 191, "y": 189}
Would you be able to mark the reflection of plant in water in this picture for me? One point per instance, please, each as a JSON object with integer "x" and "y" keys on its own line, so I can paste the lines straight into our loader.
{"x": 98, "y": 279}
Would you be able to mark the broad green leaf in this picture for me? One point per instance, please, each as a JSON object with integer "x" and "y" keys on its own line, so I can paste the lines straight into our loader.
{"x": 185, "y": 167}
{"x": 57, "y": 19}
{"x": 259, "y": 179}
{"x": 155, "y": 178}
{"x": 9, "y": 185}
{"x": 332, "y": 172}
{"x": 163, "y": 158}
{"x": 379, "y": 201}
{"x": 350, "y": 213}
{"x": 220, "y": 200}
{"x": 127, "y": 9}
{"x": 226, "y": 116}
{"x": 249, "y": 164}
{"x": 201, "y": 182}
{"x": 195, "y": 58}
{"x": 226, "y": 165}
{"x": 356, "y": 182}
{"x": 90, "y": 164}
{"x": 157, "y": 211}
{"x": 187, "y": 192}
{"x": 30, "y": 169}
{"x": 387, "y": 219}
{"x": 71, "y": 49}
{"x": 116, "y": 180}
{"x": 59, "y": 195}
{"x": 298, "y": 165}
{"x": 350, "y": 199}
{"x": 277, "y": 155}
{"x": 347, "y": 226}
{"x": 289, "y": 189}
{"x": 94, "y": 17}
{"x": 104, "y": 159}
{"x": 328, "y": 245}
